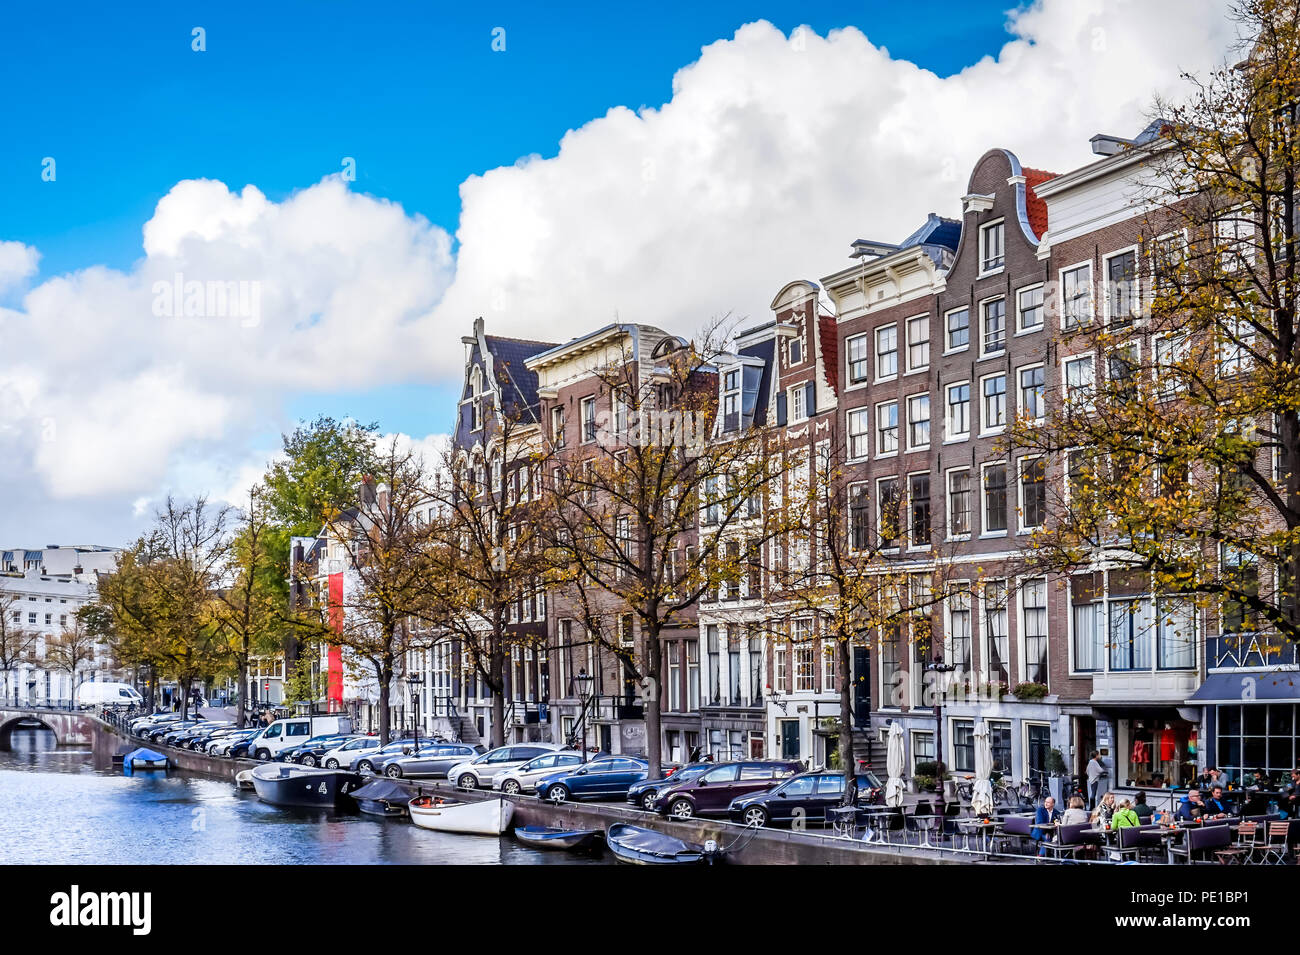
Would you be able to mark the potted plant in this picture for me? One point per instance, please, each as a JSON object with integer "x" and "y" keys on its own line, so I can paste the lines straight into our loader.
{"x": 1057, "y": 771}
{"x": 1029, "y": 691}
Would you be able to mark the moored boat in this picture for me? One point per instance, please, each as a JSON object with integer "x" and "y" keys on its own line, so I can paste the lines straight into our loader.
{"x": 489, "y": 817}
{"x": 244, "y": 779}
{"x": 641, "y": 846}
{"x": 382, "y": 797}
{"x": 548, "y": 837}
{"x": 142, "y": 759}
{"x": 293, "y": 785}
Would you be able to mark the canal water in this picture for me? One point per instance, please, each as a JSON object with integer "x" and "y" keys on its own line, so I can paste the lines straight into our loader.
{"x": 55, "y": 808}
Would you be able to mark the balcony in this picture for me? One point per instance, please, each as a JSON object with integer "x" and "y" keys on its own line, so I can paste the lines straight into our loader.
{"x": 1144, "y": 686}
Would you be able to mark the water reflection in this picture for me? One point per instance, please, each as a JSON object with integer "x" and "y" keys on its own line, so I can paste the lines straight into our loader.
{"x": 59, "y": 809}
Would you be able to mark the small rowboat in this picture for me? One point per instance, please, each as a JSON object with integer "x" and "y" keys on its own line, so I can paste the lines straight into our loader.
{"x": 142, "y": 759}
{"x": 244, "y": 779}
{"x": 547, "y": 837}
{"x": 649, "y": 847}
{"x": 490, "y": 817}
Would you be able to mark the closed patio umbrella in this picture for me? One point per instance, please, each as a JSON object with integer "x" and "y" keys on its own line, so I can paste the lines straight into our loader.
{"x": 894, "y": 764}
{"x": 981, "y": 800}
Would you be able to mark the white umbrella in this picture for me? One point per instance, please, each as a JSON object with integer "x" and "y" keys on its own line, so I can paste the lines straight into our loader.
{"x": 894, "y": 763}
{"x": 981, "y": 800}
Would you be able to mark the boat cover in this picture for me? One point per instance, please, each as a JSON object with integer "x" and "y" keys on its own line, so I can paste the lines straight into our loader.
{"x": 144, "y": 755}
{"x": 382, "y": 789}
{"x": 648, "y": 840}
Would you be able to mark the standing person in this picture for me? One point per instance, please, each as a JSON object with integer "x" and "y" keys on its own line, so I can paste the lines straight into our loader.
{"x": 1291, "y": 796}
{"x": 1096, "y": 772}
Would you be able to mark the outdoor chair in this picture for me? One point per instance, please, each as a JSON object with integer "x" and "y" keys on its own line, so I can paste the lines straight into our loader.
{"x": 1133, "y": 840}
{"x": 1019, "y": 829}
{"x": 1202, "y": 840}
{"x": 1274, "y": 848}
{"x": 1070, "y": 839}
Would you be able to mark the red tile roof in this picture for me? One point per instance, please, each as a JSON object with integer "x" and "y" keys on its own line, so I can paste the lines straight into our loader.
{"x": 826, "y": 331}
{"x": 1036, "y": 207}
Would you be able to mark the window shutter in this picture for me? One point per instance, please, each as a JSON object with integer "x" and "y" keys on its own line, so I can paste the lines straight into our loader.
{"x": 810, "y": 399}
{"x": 780, "y": 408}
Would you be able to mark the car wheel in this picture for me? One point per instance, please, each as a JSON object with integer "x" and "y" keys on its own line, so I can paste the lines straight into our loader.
{"x": 648, "y": 801}
{"x": 264, "y": 755}
{"x": 467, "y": 781}
{"x": 755, "y": 816}
{"x": 510, "y": 787}
{"x": 331, "y": 764}
{"x": 681, "y": 809}
{"x": 393, "y": 772}
{"x": 309, "y": 760}
{"x": 558, "y": 793}
{"x": 365, "y": 767}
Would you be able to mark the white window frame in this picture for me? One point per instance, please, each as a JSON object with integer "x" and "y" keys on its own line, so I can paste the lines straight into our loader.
{"x": 1020, "y": 391}
{"x": 928, "y": 421}
{"x": 986, "y": 230}
{"x": 1021, "y": 328}
{"x": 983, "y": 306}
{"x": 866, "y": 339}
{"x": 972, "y": 500}
{"x": 1092, "y": 295}
{"x": 797, "y": 400}
{"x": 948, "y": 347}
{"x": 923, "y": 341}
{"x": 880, "y": 453}
{"x": 985, "y": 428}
{"x": 1107, "y": 317}
{"x": 1066, "y": 361}
{"x": 879, "y": 354}
{"x": 950, "y": 435}
{"x": 863, "y": 414}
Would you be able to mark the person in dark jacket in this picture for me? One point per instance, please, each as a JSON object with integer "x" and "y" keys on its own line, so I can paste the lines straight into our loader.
{"x": 1144, "y": 812}
{"x": 1045, "y": 815}
{"x": 1192, "y": 807}
{"x": 1215, "y": 806}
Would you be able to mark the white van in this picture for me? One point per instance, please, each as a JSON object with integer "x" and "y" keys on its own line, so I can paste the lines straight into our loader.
{"x": 107, "y": 694}
{"x": 295, "y": 730}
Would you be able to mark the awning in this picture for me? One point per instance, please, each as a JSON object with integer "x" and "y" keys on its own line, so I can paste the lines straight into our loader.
{"x": 1241, "y": 687}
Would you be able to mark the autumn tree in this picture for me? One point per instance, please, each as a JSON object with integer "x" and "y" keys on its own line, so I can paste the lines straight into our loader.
{"x": 484, "y": 548}
{"x": 627, "y": 508}
{"x": 72, "y": 649}
{"x": 1178, "y": 460}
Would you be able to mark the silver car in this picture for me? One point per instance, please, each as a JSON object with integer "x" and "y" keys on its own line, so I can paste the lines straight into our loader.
{"x": 432, "y": 760}
{"x": 523, "y": 779}
{"x": 481, "y": 771}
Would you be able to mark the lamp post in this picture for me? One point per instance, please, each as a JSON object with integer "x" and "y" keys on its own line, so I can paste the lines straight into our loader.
{"x": 416, "y": 682}
{"x": 583, "y": 679}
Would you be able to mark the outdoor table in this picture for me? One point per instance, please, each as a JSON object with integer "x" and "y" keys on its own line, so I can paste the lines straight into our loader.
{"x": 871, "y": 812}
{"x": 843, "y": 819}
{"x": 1171, "y": 835}
{"x": 987, "y": 829}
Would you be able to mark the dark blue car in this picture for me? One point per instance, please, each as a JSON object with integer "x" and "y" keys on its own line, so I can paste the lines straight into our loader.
{"x": 805, "y": 797}
{"x": 603, "y": 779}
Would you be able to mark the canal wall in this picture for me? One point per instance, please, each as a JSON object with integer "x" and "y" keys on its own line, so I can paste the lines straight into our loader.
{"x": 742, "y": 845}
{"x": 109, "y": 741}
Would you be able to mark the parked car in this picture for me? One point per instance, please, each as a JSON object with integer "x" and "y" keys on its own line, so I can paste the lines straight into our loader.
{"x": 643, "y": 794}
{"x": 523, "y": 778}
{"x": 711, "y": 792}
{"x": 481, "y": 771}
{"x": 95, "y": 693}
{"x": 603, "y": 779}
{"x": 347, "y": 753}
{"x": 433, "y": 760}
{"x": 156, "y": 733}
{"x": 245, "y": 749}
{"x": 309, "y": 753}
{"x": 366, "y": 763}
{"x": 806, "y": 796}
{"x": 222, "y": 745}
{"x": 296, "y": 730}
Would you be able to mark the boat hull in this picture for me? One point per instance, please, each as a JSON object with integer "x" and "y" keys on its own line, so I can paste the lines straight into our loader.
{"x": 545, "y": 837}
{"x": 382, "y": 807}
{"x": 638, "y": 846}
{"x": 491, "y": 817}
{"x": 302, "y": 786}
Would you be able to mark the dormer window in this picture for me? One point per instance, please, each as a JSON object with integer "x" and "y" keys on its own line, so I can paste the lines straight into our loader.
{"x": 796, "y": 351}
{"x": 731, "y": 400}
{"x": 992, "y": 247}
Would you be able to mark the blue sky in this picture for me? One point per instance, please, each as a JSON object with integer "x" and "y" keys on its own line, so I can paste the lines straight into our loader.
{"x": 412, "y": 91}
{"x": 638, "y": 214}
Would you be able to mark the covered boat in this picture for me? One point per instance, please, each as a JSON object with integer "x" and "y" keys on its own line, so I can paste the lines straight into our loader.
{"x": 489, "y": 817}
{"x": 548, "y": 837}
{"x": 382, "y": 797}
{"x": 142, "y": 758}
{"x": 293, "y": 785}
{"x": 650, "y": 847}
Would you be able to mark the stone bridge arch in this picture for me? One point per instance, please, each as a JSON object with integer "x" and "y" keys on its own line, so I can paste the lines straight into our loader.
{"x": 69, "y": 729}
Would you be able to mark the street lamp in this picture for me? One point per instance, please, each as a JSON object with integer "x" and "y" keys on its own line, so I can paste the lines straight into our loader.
{"x": 416, "y": 681}
{"x": 583, "y": 679}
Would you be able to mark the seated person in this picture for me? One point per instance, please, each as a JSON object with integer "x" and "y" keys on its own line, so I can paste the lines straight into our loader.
{"x": 1104, "y": 810}
{"x": 1124, "y": 816}
{"x": 1045, "y": 815}
{"x": 1076, "y": 814}
{"x": 1144, "y": 812}
{"x": 1216, "y": 807}
{"x": 1192, "y": 808}
{"x": 1290, "y": 802}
